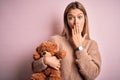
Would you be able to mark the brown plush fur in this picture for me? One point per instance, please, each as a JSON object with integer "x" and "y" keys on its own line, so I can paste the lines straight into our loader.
{"x": 50, "y": 73}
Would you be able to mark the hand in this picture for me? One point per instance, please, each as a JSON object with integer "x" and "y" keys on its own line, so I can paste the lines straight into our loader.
{"x": 52, "y": 61}
{"x": 77, "y": 37}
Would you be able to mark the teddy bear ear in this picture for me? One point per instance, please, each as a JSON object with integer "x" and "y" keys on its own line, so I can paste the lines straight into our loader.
{"x": 54, "y": 44}
{"x": 61, "y": 54}
{"x": 37, "y": 49}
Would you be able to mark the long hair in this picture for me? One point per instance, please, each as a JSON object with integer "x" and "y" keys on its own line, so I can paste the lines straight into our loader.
{"x": 66, "y": 30}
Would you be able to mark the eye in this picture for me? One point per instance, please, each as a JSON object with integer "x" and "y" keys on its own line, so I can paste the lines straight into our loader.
{"x": 70, "y": 18}
{"x": 79, "y": 17}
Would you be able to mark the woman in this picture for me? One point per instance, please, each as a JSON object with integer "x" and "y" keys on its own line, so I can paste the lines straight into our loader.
{"x": 82, "y": 61}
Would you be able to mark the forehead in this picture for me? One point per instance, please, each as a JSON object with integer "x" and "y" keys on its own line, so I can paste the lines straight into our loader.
{"x": 75, "y": 12}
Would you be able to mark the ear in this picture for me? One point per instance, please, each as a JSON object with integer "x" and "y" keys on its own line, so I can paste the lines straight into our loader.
{"x": 60, "y": 54}
{"x": 55, "y": 47}
{"x": 36, "y": 56}
{"x": 37, "y": 49}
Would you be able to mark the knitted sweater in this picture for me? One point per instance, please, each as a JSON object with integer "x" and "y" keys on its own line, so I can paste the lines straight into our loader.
{"x": 79, "y": 65}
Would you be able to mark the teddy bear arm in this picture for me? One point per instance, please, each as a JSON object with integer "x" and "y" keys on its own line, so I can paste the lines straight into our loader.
{"x": 38, "y": 76}
{"x": 36, "y": 56}
{"x": 55, "y": 75}
{"x": 60, "y": 54}
{"x": 52, "y": 74}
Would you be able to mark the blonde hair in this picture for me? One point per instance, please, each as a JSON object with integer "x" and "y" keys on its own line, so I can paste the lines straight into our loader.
{"x": 66, "y": 30}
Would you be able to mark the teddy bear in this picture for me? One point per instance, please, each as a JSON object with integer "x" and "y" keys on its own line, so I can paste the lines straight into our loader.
{"x": 49, "y": 73}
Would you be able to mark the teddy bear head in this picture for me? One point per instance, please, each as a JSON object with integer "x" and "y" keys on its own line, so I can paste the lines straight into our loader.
{"x": 47, "y": 46}
{"x": 50, "y": 47}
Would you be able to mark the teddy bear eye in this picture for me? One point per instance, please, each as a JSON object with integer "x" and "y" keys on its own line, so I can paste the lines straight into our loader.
{"x": 44, "y": 52}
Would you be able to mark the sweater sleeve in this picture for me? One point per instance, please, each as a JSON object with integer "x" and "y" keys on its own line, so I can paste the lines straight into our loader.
{"x": 89, "y": 61}
{"x": 38, "y": 65}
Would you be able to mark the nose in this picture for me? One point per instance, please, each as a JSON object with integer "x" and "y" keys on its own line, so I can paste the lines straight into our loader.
{"x": 75, "y": 21}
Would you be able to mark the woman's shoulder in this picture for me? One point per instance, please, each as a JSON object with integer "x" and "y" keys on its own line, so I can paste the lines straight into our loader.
{"x": 90, "y": 42}
{"x": 56, "y": 37}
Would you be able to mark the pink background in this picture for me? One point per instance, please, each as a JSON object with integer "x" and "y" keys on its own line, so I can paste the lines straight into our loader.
{"x": 26, "y": 23}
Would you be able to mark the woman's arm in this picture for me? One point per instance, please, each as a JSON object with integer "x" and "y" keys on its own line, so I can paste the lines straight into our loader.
{"x": 89, "y": 62}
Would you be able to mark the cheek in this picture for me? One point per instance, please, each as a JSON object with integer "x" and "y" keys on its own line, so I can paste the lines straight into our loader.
{"x": 71, "y": 23}
{"x": 81, "y": 25}
{"x": 83, "y": 21}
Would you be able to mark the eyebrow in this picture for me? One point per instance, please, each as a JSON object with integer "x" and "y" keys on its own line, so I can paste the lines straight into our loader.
{"x": 69, "y": 14}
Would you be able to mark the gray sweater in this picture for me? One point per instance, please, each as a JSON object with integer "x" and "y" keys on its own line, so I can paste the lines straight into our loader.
{"x": 79, "y": 65}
